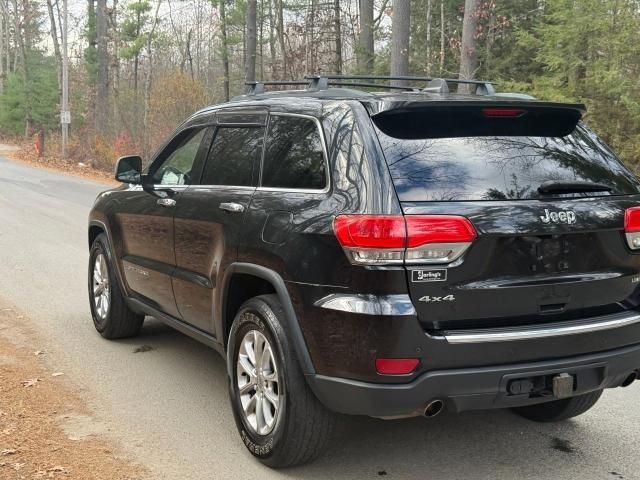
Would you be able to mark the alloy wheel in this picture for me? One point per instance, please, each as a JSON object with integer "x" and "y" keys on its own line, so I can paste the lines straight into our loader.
{"x": 101, "y": 286}
{"x": 258, "y": 383}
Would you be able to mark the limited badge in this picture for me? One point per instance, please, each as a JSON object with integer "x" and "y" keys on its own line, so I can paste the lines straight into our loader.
{"x": 438, "y": 275}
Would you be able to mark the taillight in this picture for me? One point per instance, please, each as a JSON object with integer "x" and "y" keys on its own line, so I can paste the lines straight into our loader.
{"x": 632, "y": 227}
{"x": 396, "y": 366}
{"x": 395, "y": 239}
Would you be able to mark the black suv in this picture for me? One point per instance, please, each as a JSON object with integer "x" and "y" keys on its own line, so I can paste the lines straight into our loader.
{"x": 383, "y": 254}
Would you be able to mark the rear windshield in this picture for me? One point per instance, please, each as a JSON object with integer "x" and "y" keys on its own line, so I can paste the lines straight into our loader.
{"x": 502, "y": 167}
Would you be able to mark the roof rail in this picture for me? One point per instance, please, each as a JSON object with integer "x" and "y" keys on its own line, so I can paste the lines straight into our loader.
{"x": 256, "y": 88}
{"x": 433, "y": 83}
{"x": 323, "y": 82}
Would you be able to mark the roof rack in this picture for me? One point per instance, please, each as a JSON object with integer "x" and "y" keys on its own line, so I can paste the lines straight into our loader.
{"x": 323, "y": 82}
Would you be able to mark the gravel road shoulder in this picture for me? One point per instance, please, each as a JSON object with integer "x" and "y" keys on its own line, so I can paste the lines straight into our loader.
{"x": 46, "y": 431}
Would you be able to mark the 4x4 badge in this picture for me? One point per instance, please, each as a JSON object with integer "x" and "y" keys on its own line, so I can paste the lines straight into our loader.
{"x": 563, "y": 216}
{"x": 430, "y": 299}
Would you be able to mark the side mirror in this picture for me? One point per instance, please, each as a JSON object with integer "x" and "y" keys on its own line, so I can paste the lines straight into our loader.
{"x": 129, "y": 169}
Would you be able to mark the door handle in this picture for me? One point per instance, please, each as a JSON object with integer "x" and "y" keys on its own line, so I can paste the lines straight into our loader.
{"x": 232, "y": 207}
{"x": 166, "y": 202}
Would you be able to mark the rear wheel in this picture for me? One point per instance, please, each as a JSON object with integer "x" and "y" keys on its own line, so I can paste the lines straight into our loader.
{"x": 111, "y": 315}
{"x": 558, "y": 410}
{"x": 280, "y": 420}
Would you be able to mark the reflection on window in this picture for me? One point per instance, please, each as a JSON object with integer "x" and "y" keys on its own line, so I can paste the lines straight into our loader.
{"x": 233, "y": 155}
{"x": 501, "y": 168}
{"x": 176, "y": 168}
{"x": 294, "y": 156}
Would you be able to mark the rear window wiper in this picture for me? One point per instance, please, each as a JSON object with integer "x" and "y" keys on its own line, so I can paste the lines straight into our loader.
{"x": 553, "y": 186}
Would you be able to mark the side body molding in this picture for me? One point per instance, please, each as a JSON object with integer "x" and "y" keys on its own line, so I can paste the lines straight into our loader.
{"x": 292, "y": 327}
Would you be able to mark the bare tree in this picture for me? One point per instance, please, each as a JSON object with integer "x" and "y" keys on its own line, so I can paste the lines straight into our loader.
{"x": 338, "y": 33}
{"x": 428, "y": 49}
{"x": 441, "y": 37}
{"x": 365, "y": 57}
{"x": 469, "y": 47}
{"x": 146, "y": 143}
{"x": 3, "y": 17}
{"x": 280, "y": 30}
{"x": 250, "y": 66}
{"x": 56, "y": 44}
{"x": 102, "y": 78}
{"x": 400, "y": 32}
{"x": 225, "y": 48}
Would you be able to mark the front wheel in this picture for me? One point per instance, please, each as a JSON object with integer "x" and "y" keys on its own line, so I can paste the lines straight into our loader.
{"x": 111, "y": 315}
{"x": 559, "y": 410}
{"x": 279, "y": 419}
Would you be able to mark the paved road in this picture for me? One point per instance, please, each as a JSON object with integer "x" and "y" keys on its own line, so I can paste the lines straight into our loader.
{"x": 169, "y": 407}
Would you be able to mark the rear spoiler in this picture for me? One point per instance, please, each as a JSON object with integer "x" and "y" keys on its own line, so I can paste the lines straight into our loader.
{"x": 459, "y": 118}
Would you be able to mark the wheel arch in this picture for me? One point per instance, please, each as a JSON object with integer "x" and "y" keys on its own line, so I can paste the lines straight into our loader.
{"x": 271, "y": 278}
{"x": 96, "y": 227}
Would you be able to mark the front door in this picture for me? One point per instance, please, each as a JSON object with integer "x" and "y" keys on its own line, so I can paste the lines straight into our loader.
{"x": 145, "y": 221}
{"x": 209, "y": 219}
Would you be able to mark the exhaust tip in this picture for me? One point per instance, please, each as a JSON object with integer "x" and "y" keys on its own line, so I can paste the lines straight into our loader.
{"x": 630, "y": 379}
{"x": 433, "y": 408}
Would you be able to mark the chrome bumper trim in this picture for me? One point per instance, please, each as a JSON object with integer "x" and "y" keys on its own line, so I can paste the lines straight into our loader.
{"x": 367, "y": 304}
{"x": 595, "y": 324}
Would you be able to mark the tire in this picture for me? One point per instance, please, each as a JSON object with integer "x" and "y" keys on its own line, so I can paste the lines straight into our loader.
{"x": 111, "y": 315}
{"x": 301, "y": 427}
{"x": 559, "y": 410}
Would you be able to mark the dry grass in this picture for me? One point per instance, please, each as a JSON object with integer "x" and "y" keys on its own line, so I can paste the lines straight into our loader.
{"x": 53, "y": 161}
{"x": 35, "y": 403}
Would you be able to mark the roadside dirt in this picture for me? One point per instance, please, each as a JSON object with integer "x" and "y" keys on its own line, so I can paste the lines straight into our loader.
{"x": 25, "y": 154}
{"x": 46, "y": 431}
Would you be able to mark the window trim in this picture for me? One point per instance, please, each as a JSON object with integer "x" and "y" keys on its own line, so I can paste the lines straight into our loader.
{"x": 325, "y": 155}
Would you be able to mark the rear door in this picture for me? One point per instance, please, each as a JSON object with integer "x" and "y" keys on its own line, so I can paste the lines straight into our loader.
{"x": 209, "y": 220}
{"x": 547, "y": 199}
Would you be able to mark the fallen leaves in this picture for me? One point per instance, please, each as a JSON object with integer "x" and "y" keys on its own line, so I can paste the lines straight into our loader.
{"x": 30, "y": 383}
{"x": 57, "y": 374}
{"x": 8, "y": 451}
{"x": 37, "y": 353}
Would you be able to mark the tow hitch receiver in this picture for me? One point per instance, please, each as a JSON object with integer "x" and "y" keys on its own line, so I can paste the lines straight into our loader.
{"x": 563, "y": 385}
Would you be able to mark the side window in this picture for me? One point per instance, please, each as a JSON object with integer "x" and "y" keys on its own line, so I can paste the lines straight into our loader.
{"x": 176, "y": 168}
{"x": 294, "y": 157}
{"x": 232, "y": 157}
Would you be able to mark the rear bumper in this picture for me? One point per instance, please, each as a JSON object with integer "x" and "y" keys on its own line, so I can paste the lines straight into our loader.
{"x": 472, "y": 388}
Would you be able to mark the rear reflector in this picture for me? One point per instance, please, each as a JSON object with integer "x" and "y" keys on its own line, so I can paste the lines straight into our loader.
{"x": 503, "y": 112}
{"x": 396, "y": 239}
{"x": 632, "y": 227}
{"x": 396, "y": 366}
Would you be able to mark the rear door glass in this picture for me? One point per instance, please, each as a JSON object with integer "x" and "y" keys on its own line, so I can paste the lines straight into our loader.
{"x": 233, "y": 157}
{"x": 501, "y": 167}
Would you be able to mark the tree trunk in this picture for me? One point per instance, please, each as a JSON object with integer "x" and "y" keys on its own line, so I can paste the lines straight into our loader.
{"x": 400, "y": 31}
{"x": 56, "y": 46}
{"x": 2, "y": 28}
{"x": 102, "y": 79}
{"x": 441, "y": 37}
{"x": 250, "y": 66}
{"x": 225, "y": 49}
{"x": 338, "y": 33}
{"x": 469, "y": 47}
{"x": 428, "y": 49}
{"x": 272, "y": 40}
{"x": 280, "y": 29}
{"x": 364, "y": 51}
{"x": 146, "y": 143}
